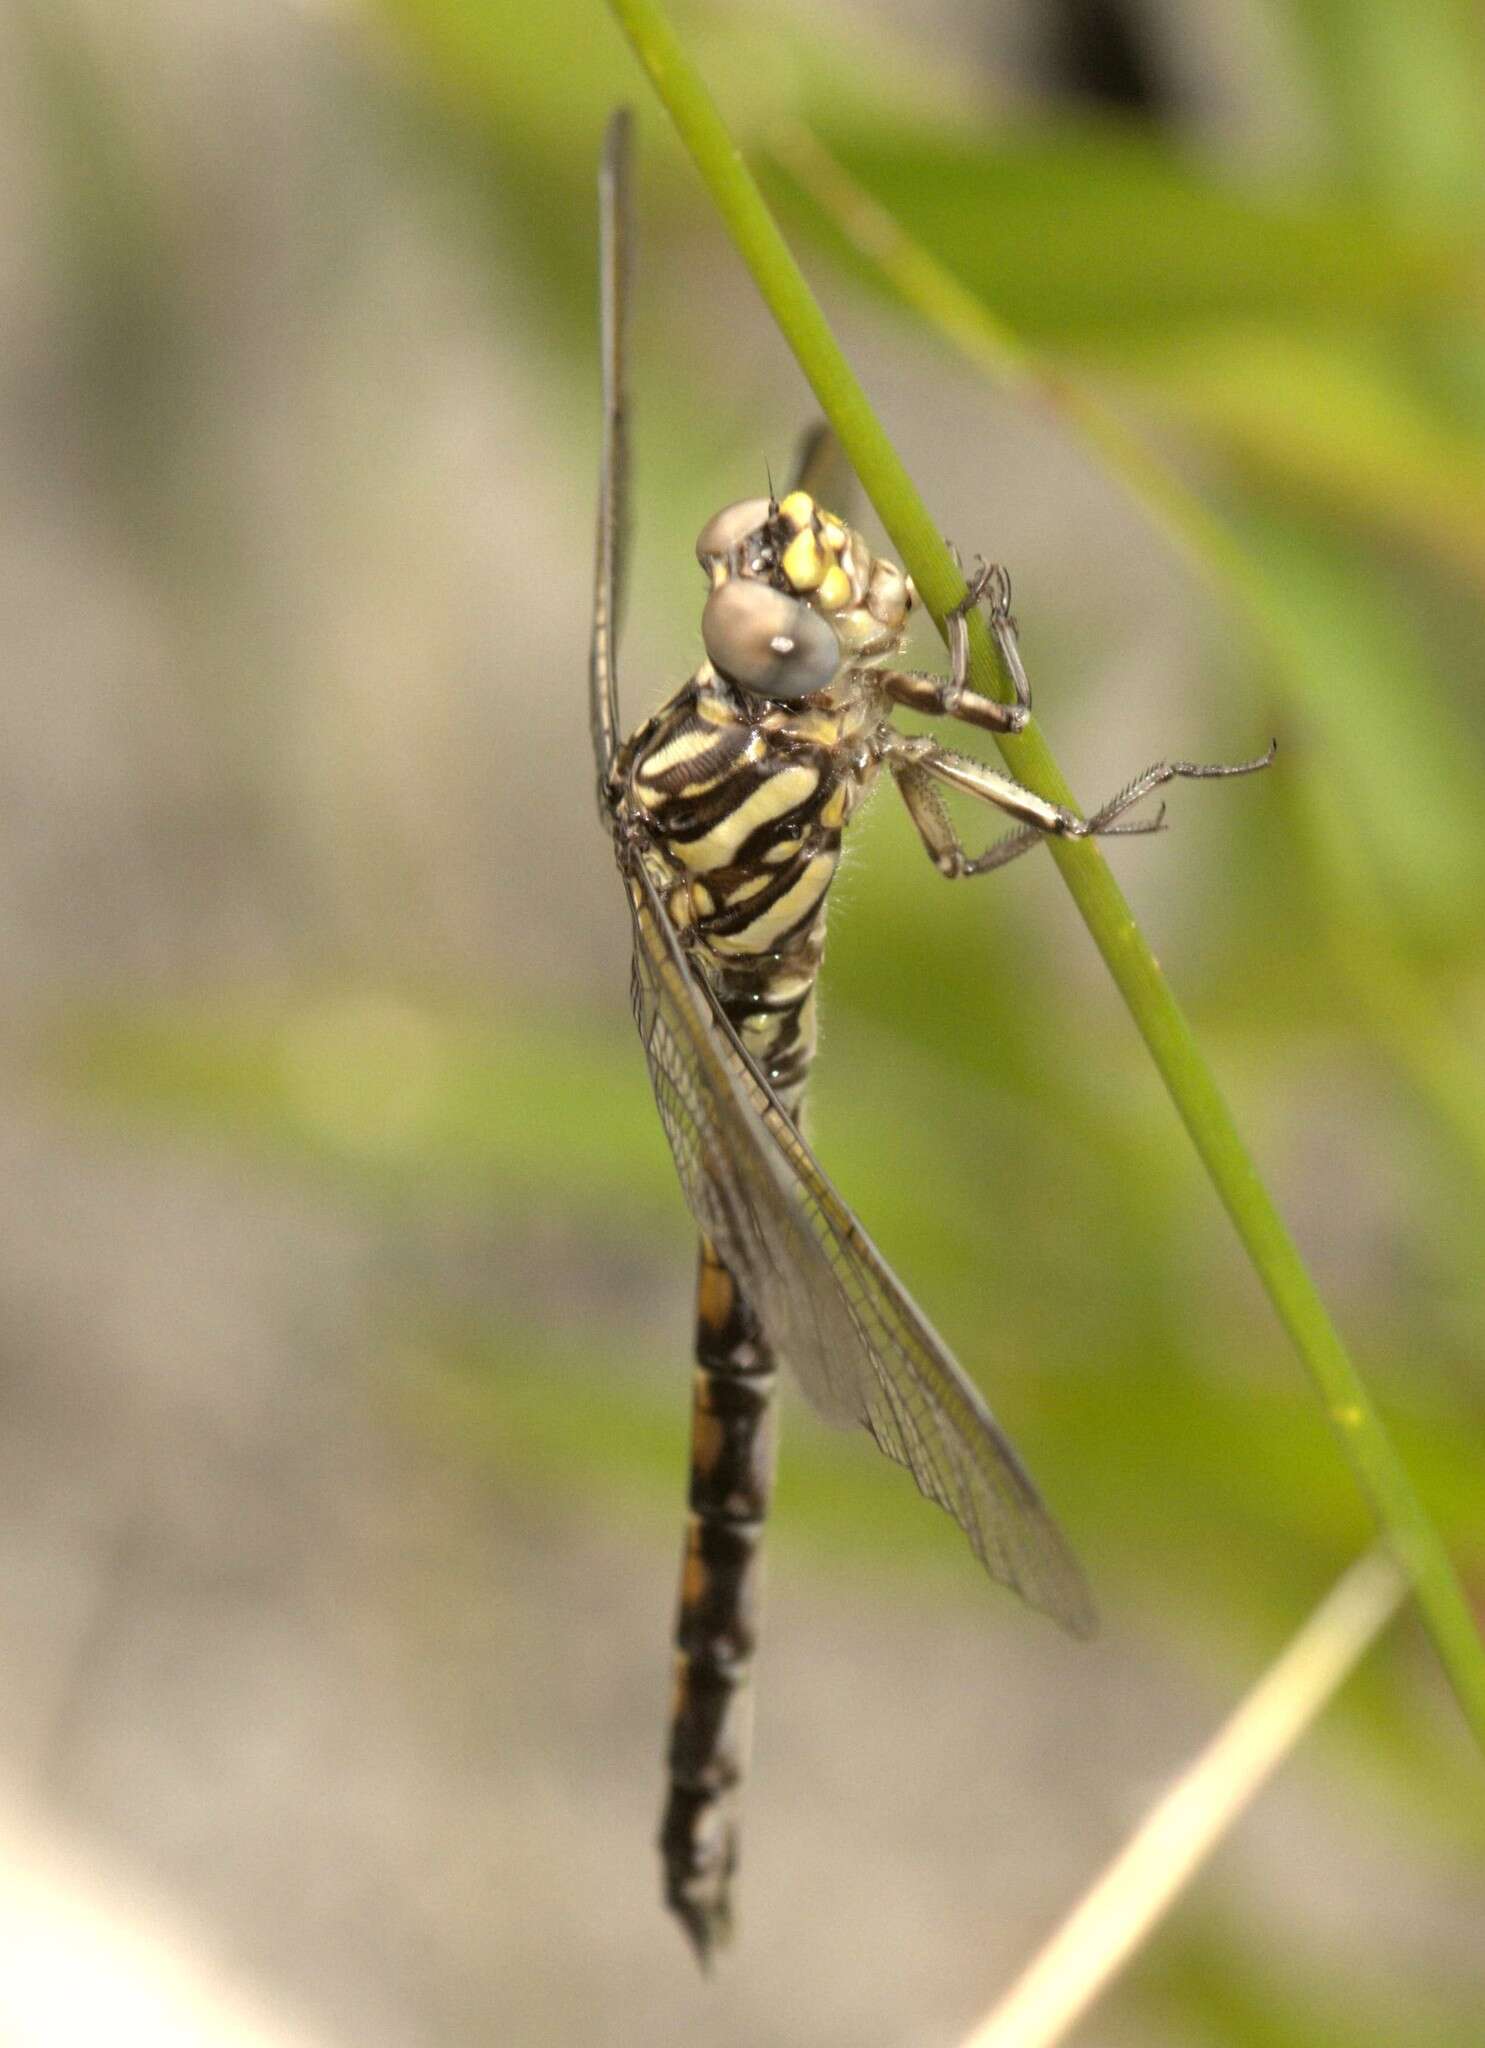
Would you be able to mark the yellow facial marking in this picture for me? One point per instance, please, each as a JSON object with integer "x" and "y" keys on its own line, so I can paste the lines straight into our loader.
{"x": 803, "y": 563}
{"x": 768, "y": 801}
{"x": 834, "y": 589}
{"x": 834, "y": 534}
{"x": 798, "y": 510}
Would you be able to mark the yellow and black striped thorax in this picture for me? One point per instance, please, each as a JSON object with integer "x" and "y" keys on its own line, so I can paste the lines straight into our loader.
{"x": 743, "y": 807}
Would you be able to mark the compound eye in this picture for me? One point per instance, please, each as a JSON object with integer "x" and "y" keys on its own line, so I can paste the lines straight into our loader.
{"x": 722, "y": 535}
{"x": 767, "y": 643}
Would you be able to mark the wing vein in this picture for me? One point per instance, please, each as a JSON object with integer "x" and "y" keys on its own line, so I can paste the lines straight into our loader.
{"x": 860, "y": 1347}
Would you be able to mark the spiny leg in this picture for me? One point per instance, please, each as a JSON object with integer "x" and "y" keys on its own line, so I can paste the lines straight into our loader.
{"x": 1156, "y": 776}
{"x": 917, "y": 764}
{"x": 950, "y": 696}
{"x": 940, "y": 839}
{"x": 993, "y": 582}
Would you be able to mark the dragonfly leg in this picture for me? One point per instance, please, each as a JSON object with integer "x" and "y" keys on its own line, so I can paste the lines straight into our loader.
{"x": 936, "y": 829}
{"x": 918, "y": 766}
{"x": 950, "y": 696}
{"x": 1157, "y": 776}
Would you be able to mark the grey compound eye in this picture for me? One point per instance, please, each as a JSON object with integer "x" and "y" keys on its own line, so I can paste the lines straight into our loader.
{"x": 768, "y": 643}
{"x": 729, "y": 528}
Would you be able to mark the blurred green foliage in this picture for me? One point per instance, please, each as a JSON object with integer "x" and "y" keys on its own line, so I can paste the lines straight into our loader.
{"x": 1307, "y": 345}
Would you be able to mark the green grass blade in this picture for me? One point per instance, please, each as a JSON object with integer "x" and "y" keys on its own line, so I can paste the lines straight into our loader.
{"x": 1156, "y": 1013}
{"x": 1097, "y": 238}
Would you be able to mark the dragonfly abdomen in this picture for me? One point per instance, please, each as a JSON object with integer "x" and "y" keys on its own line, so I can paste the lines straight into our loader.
{"x": 742, "y": 810}
{"x": 732, "y": 1461}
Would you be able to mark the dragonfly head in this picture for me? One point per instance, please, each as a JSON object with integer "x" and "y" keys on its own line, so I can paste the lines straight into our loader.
{"x": 796, "y": 594}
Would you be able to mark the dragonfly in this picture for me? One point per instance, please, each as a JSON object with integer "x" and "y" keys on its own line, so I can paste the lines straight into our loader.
{"x": 726, "y": 810}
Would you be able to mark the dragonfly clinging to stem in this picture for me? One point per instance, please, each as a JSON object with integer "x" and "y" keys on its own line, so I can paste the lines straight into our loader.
{"x": 726, "y": 809}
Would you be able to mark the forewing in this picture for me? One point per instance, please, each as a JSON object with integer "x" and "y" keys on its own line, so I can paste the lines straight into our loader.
{"x": 825, "y": 1296}
{"x": 821, "y": 468}
{"x": 613, "y": 482}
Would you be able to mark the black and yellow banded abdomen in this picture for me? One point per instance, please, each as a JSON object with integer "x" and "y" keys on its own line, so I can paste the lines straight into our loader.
{"x": 732, "y": 1458}
{"x": 743, "y": 811}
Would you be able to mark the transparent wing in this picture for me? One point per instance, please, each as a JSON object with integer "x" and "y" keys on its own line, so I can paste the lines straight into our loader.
{"x": 613, "y": 493}
{"x": 821, "y": 468}
{"x": 863, "y": 1352}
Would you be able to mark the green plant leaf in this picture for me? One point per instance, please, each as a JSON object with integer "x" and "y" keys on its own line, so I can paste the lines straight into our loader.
{"x": 1084, "y": 236}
